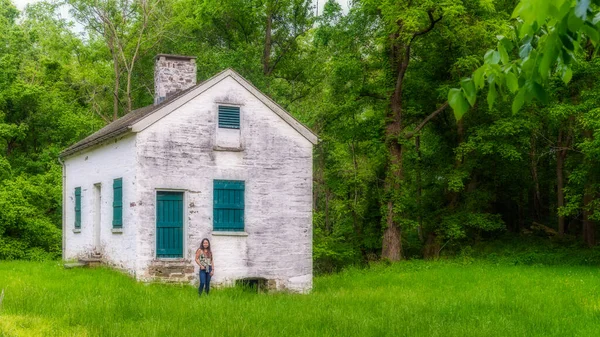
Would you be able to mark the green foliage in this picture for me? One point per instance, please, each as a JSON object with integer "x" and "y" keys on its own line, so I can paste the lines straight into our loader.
{"x": 535, "y": 250}
{"x": 549, "y": 36}
{"x": 455, "y": 226}
{"x": 27, "y": 232}
{"x": 458, "y": 102}
{"x": 41, "y": 112}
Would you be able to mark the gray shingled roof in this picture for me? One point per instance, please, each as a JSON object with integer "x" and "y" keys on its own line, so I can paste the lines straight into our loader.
{"x": 120, "y": 126}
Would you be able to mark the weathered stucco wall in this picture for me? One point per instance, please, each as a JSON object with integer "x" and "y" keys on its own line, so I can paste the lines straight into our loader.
{"x": 181, "y": 152}
{"x": 100, "y": 165}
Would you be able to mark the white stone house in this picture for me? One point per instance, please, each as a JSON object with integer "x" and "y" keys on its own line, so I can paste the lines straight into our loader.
{"x": 217, "y": 160}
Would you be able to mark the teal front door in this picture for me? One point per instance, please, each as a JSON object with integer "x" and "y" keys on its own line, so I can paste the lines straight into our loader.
{"x": 169, "y": 224}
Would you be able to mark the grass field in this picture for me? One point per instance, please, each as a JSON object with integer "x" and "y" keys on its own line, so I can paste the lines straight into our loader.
{"x": 405, "y": 299}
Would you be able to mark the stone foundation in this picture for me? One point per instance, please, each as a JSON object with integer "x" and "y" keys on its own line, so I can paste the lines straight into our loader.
{"x": 172, "y": 271}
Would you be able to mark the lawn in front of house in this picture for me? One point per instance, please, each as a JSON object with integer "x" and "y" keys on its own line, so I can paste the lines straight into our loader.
{"x": 413, "y": 298}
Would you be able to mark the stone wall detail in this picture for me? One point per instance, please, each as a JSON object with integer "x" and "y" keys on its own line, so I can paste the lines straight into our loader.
{"x": 178, "y": 153}
{"x": 172, "y": 271}
{"x": 172, "y": 74}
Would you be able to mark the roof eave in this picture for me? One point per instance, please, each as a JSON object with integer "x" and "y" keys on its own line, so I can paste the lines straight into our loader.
{"x": 310, "y": 135}
{"x": 74, "y": 150}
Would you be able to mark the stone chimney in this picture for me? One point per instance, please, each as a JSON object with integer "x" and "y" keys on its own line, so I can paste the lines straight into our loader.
{"x": 172, "y": 74}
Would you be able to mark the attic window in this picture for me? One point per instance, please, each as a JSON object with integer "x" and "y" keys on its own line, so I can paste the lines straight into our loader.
{"x": 229, "y": 117}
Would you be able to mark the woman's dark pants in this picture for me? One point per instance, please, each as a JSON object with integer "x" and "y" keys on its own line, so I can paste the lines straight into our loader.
{"x": 204, "y": 281}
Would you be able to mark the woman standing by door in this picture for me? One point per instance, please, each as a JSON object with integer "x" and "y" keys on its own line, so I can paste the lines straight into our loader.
{"x": 205, "y": 261}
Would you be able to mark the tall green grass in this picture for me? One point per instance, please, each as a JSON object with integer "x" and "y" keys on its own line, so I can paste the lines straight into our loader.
{"x": 406, "y": 299}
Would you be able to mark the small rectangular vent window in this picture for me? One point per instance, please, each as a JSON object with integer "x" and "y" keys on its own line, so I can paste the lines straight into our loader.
{"x": 229, "y": 117}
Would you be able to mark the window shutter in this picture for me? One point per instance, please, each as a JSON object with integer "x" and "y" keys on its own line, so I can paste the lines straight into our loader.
{"x": 228, "y": 206}
{"x": 77, "y": 207}
{"x": 118, "y": 202}
{"x": 229, "y": 117}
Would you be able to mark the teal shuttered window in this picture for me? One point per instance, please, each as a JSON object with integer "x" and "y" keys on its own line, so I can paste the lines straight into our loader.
{"x": 229, "y": 117}
{"x": 77, "y": 207}
{"x": 118, "y": 203}
{"x": 228, "y": 207}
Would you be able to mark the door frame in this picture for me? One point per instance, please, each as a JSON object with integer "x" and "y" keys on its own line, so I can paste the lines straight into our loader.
{"x": 97, "y": 221}
{"x": 184, "y": 224}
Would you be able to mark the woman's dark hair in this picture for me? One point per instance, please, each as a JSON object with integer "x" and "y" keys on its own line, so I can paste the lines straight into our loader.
{"x": 202, "y": 247}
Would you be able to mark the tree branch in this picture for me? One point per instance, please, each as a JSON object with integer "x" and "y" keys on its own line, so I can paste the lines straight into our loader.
{"x": 432, "y": 23}
{"x": 426, "y": 120}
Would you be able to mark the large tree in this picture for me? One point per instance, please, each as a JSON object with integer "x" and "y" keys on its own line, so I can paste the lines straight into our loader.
{"x": 129, "y": 28}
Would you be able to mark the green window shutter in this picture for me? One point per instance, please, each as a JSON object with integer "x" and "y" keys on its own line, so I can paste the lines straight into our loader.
{"x": 229, "y": 117}
{"x": 118, "y": 202}
{"x": 228, "y": 205}
{"x": 169, "y": 224}
{"x": 77, "y": 207}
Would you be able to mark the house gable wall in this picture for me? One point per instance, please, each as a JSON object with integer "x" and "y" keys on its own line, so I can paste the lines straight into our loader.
{"x": 183, "y": 151}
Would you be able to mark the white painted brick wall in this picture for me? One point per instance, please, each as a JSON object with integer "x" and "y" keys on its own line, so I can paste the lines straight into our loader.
{"x": 276, "y": 164}
{"x": 116, "y": 159}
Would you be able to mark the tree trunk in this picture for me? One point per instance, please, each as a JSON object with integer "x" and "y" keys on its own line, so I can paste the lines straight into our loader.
{"x": 392, "y": 244}
{"x": 117, "y": 81}
{"x": 355, "y": 220}
{"x": 589, "y": 226}
{"x": 560, "y": 194}
{"x": 327, "y": 222}
{"x": 128, "y": 93}
{"x": 460, "y": 130}
{"x": 419, "y": 189}
{"x": 537, "y": 201}
{"x": 432, "y": 247}
{"x": 399, "y": 54}
{"x": 319, "y": 180}
{"x": 267, "y": 47}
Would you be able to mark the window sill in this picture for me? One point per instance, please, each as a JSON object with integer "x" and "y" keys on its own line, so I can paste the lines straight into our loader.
{"x": 225, "y": 233}
{"x": 76, "y": 230}
{"x": 117, "y": 230}
{"x": 171, "y": 259}
{"x": 229, "y": 149}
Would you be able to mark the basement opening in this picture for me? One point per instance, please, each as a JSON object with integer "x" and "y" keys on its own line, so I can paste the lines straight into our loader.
{"x": 253, "y": 284}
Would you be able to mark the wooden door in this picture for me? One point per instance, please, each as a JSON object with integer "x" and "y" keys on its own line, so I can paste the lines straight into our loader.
{"x": 169, "y": 224}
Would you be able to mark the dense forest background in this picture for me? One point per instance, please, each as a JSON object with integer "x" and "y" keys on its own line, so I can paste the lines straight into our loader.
{"x": 397, "y": 175}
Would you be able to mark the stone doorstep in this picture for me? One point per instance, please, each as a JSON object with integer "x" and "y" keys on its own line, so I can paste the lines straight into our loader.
{"x": 91, "y": 261}
{"x": 74, "y": 265}
{"x": 174, "y": 278}
{"x": 171, "y": 271}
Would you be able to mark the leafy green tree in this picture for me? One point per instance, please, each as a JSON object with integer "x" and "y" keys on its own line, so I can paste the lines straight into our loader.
{"x": 129, "y": 28}
{"x": 549, "y": 37}
{"x": 41, "y": 112}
